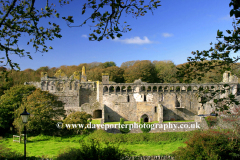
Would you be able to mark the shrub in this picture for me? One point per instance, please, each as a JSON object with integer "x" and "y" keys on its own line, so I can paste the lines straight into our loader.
{"x": 211, "y": 120}
{"x": 78, "y": 118}
{"x": 210, "y": 144}
{"x": 43, "y": 108}
{"x": 94, "y": 151}
{"x": 145, "y": 129}
{"x": 124, "y": 128}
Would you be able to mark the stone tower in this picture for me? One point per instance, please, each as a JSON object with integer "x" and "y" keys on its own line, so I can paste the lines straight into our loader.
{"x": 105, "y": 78}
{"x": 83, "y": 76}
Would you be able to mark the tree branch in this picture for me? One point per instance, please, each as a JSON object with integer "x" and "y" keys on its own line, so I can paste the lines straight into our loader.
{"x": 9, "y": 9}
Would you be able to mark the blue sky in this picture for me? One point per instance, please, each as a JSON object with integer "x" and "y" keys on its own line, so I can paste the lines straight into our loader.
{"x": 176, "y": 28}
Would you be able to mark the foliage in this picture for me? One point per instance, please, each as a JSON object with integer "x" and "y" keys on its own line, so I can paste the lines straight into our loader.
{"x": 217, "y": 56}
{"x": 147, "y": 127}
{"x": 25, "y": 18}
{"x": 136, "y": 138}
{"x": 108, "y": 22}
{"x": 166, "y": 71}
{"x": 43, "y": 108}
{"x": 94, "y": 151}
{"x": 124, "y": 128}
{"x": 22, "y": 18}
{"x": 143, "y": 70}
{"x": 210, "y": 144}
{"x": 115, "y": 74}
{"x": 9, "y": 103}
{"x": 6, "y": 82}
{"x": 211, "y": 120}
{"x": 6, "y": 153}
{"x": 80, "y": 118}
{"x": 232, "y": 120}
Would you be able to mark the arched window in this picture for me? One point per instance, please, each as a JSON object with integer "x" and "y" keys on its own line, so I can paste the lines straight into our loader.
{"x": 155, "y": 109}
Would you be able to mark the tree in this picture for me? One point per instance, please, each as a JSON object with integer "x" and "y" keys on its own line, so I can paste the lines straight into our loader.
{"x": 10, "y": 101}
{"x": 7, "y": 83}
{"x": 166, "y": 71}
{"x": 20, "y": 18}
{"x": 217, "y": 56}
{"x": 95, "y": 74}
{"x": 108, "y": 64}
{"x": 124, "y": 128}
{"x": 115, "y": 74}
{"x": 80, "y": 118}
{"x": 43, "y": 108}
{"x": 127, "y": 64}
{"x": 143, "y": 70}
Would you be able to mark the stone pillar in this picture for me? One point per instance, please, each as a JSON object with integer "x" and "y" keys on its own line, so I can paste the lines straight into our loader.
{"x": 160, "y": 114}
{"x": 98, "y": 91}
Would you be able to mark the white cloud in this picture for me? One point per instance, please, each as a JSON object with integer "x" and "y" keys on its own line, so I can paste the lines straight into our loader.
{"x": 167, "y": 35}
{"x": 135, "y": 40}
{"x": 226, "y": 18}
{"x": 84, "y": 35}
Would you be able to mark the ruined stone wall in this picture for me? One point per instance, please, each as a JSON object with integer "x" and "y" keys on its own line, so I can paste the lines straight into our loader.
{"x": 132, "y": 107}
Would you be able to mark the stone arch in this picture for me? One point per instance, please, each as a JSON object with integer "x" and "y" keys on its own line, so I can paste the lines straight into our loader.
{"x": 212, "y": 88}
{"x": 124, "y": 89}
{"x": 177, "y": 88}
{"x": 154, "y": 89}
{"x": 117, "y": 89}
{"x": 129, "y": 89}
{"x": 160, "y": 88}
{"x": 97, "y": 113}
{"x": 145, "y": 118}
{"x": 189, "y": 88}
{"x": 136, "y": 89}
{"x": 143, "y": 88}
{"x": 165, "y": 88}
{"x": 171, "y": 88}
{"x": 200, "y": 88}
{"x": 195, "y": 88}
{"x": 105, "y": 89}
{"x": 149, "y": 89}
{"x": 111, "y": 89}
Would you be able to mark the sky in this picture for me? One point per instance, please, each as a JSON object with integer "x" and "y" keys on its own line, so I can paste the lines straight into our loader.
{"x": 172, "y": 32}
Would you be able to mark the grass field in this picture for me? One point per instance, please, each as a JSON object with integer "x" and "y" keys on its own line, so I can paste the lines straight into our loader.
{"x": 145, "y": 144}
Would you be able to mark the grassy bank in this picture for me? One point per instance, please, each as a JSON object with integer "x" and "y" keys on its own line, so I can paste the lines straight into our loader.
{"x": 145, "y": 144}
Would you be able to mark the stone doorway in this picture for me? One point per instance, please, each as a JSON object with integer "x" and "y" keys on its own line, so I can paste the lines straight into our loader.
{"x": 145, "y": 118}
{"x": 97, "y": 114}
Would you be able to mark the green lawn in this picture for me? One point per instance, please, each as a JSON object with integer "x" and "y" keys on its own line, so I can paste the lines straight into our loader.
{"x": 50, "y": 147}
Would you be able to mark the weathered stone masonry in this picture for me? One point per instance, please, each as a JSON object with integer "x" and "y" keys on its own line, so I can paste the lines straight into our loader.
{"x": 131, "y": 101}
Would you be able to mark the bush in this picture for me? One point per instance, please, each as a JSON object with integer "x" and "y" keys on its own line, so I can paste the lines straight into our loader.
{"x": 210, "y": 144}
{"x": 78, "y": 118}
{"x": 145, "y": 129}
{"x": 43, "y": 108}
{"x": 211, "y": 120}
{"x": 123, "y": 127}
{"x": 94, "y": 151}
